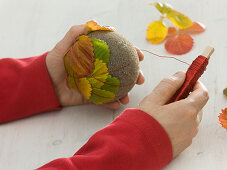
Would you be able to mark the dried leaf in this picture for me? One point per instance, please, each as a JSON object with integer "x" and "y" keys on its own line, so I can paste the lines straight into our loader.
{"x": 223, "y": 118}
{"x": 171, "y": 31}
{"x": 178, "y": 19}
{"x": 196, "y": 28}
{"x": 101, "y": 50}
{"x": 100, "y": 96}
{"x": 93, "y": 26}
{"x": 112, "y": 84}
{"x": 179, "y": 44}
{"x": 156, "y": 31}
{"x": 80, "y": 57}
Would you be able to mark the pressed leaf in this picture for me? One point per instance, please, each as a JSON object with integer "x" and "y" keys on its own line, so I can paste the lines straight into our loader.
{"x": 223, "y": 118}
{"x": 100, "y": 96}
{"x": 178, "y": 19}
{"x": 196, "y": 28}
{"x": 162, "y": 7}
{"x": 112, "y": 84}
{"x": 156, "y": 32}
{"x": 71, "y": 82}
{"x": 93, "y": 26}
{"x": 179, "y": 44}
{"x": 101, "y": 50}
{"x": 84, "y": 87}
{"x": 171, "y": 31}
{"x": 80, "y": 57}
{"x": 99, "y": 74}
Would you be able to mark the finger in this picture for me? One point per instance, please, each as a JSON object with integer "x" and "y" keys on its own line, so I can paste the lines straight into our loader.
{"x": 140, "y": 54}
{"x": 199, "y": 97}
{"x": 69, "y": 38}
{"x": 200, "y": 116}
{"x": 112, "y": 105}
{"x": 140, "y": 79}
{"x": 125, "y": 100}
{"x": 167, "y": 88}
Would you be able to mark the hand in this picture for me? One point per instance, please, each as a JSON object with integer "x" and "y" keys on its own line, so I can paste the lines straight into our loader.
{"x": 56, "y": 69}
{"x": 179, "y": 119}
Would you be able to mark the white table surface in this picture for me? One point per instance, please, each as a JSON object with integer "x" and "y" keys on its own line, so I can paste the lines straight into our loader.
{"x": 31, "y": 27}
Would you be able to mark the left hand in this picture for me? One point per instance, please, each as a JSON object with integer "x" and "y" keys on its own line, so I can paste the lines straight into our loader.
{"x": 56, "y": 69}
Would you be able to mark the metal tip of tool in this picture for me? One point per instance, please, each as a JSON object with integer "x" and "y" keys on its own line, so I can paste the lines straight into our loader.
{"x": 208, "y": 52}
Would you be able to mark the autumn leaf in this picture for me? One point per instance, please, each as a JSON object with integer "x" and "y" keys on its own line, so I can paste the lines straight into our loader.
{"x": 156, "y": 31}
{"x": 99, "y": 96}
{"x": 112, "y": 84}
{"x": 101, "y": 50}
{"x": 85, "y": 87}
{"x": 223, "y": 118}
{"x": 93, "y": 26}
{"x": 80, "y": 57}
{"x": 196, "y": 28}
{"x": 99, "y": 74}
{"x": 179, "y": 44}
{"x": 178, "y": 19}
{"x": 162, "y": 7}
{"x": 171, "y": 31}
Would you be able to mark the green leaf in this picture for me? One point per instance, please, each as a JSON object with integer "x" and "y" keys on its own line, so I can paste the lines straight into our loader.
{"x": 178, "y": 19}
{"x": 99, "y": 74}
{"x": 101, "y": 50}
{"x": 112, "y": 84}
{"x": 162, "y": 7}
{"x": 99, "y": 96}
{"x": 71, "y": 82}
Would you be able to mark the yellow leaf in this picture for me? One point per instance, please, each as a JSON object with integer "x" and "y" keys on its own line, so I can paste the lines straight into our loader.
{"x": 178, "y": 19}
{"x": 93, "y": 26}
{"x": 99, "y": 74}
{"x": 156, "y": 32}
{"x": 85, "y": 87}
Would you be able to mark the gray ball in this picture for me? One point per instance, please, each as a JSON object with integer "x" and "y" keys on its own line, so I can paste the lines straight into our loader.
{"x": 122, "y": 55}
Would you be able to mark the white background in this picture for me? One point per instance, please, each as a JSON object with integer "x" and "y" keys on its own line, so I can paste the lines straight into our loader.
{"x": 31, "y": 27}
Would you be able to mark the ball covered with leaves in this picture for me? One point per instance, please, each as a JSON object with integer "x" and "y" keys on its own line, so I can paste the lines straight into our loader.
{"x": 102, "y": 65}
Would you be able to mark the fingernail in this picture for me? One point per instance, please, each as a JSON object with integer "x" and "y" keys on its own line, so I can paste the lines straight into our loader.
{"x": 179, "y": 74}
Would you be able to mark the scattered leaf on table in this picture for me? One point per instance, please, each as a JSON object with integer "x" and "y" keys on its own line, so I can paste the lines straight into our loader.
{"x": 162, "y": 7}
{"x": 171, "y": 31}
{"x": 156, "y": 31}
{"x": 101, "y": 50}
{"x": 179, "y": 44}
{"x": 196, "y": 28}
{"x": 80, "y": 57}
{"x": 223, "y": 118}
{"x": 225, "y": 91}
{"x": 99, "y": 74}
{"x": 93, "y": 26}
{"x": 100, "y": 96}
{"x": 178, "y": 19}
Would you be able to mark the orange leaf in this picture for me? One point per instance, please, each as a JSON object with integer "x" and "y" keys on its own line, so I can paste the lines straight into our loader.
{"x": 223, "y": 118}
{"x": 196, "y": 28}
{"x": 80, "y": 57}
{"x": 171, "y": 31}
{"x": 179, "y": 44}
{"x": 93, "y": 26}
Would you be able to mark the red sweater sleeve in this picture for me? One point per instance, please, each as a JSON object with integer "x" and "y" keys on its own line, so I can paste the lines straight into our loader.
{"x": 134, "y": 141}
{"x": 25, "y": 88}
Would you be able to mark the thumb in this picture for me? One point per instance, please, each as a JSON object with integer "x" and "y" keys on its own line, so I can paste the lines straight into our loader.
{"x": 167, "y": 88}
{"x": 69, "y": 39}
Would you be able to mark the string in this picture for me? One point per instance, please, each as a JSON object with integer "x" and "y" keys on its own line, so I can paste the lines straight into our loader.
{"x": 165, "y": 56}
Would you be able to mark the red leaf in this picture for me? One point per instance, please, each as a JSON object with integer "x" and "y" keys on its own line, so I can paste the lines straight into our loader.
{"x": 223, "y": 118}
{"x": 171, "y": 31}
{"x": 196, "y": 28}
{"x": 179, "y": 44}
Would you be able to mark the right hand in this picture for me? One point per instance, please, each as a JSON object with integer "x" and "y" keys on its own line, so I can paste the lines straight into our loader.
{"x": 179, "y": 119}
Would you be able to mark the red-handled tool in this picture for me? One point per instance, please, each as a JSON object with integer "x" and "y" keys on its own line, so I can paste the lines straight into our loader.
{"x": 194, "y": 72}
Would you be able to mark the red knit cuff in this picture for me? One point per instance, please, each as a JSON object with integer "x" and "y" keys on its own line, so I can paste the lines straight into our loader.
{"x": 158, "y": 139}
